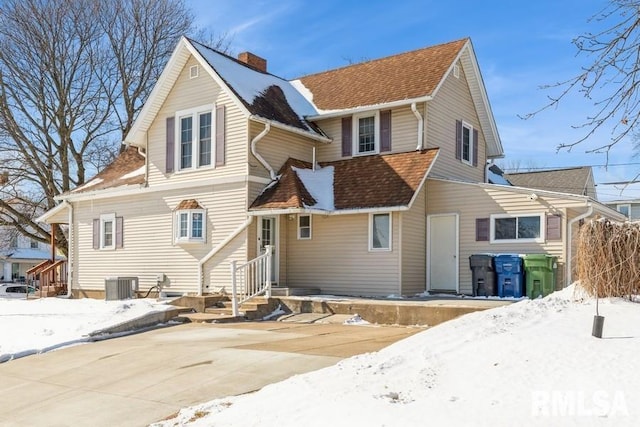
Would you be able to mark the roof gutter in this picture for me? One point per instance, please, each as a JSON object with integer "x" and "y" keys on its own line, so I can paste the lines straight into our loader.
{"x": 254, "y": 142}
{"x": 267, "y": 212}
{"x": 355, "y": 110}
{"x": 292, "y": 129}
{"x": 217, "y": 249}
{"x": 420, "y": 126}
{"x": 587, "y": 214}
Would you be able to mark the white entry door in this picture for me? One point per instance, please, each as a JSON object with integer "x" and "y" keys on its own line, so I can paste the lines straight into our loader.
{"x": 442, "y": 253}
{"x": 267, "y": 236}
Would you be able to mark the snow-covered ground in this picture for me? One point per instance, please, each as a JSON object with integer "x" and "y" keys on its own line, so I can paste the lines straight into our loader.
{"x": 529, "y": 363}
{"x": 38, "y": 325}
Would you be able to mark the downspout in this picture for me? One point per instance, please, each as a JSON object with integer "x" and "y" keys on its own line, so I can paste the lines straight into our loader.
{"x": 69, "y": 253}
{"x": 217, "y": 249}
{"x": 254, "y": 142}
{"x": 587, "y": 214}
{"x": 146, "y": 159}
{"x": 420, "y": 126}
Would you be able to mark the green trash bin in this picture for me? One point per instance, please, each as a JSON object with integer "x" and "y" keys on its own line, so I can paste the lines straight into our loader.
{"x": 540, "y": 274}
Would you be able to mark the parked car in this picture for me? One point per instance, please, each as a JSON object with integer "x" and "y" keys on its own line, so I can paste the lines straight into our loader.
{"x": 15, "y": 290}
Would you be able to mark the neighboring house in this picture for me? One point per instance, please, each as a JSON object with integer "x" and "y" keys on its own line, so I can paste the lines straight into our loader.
{"x": 18, "y": 254}
{"x": 575, "y": 180}
{"x": 367, "y": 180}
{"x": 629, "y": 208}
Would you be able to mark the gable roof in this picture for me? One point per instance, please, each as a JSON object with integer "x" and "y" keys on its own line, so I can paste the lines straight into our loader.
{"x": 127, "y": 169}
{"x": 576, "y": 180}
{"x": 407, "y": 75}
{"x": 379, "y": 181}
{"x": 263, "y": 94}
{"x": 401, "y": 79}
{"x": 260, "y": 96}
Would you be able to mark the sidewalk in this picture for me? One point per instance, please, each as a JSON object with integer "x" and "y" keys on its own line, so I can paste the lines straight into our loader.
{"x": 142, "y": 378}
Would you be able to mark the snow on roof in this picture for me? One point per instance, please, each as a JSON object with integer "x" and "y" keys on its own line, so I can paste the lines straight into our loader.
{"x": 319, "y": 184}
{"x": 495, "y": 178}
{"x": 250, "y": 84}
{"x": 27, "y": 253}
{"x": 91, "y": 183}
{"x": 137, "y": 172}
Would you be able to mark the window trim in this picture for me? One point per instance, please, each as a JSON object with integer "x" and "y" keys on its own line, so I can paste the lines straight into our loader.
{"x": 390, "y": 248}
{"x": 189, "y": 238}
{"x": 195, "y": 114}
{"x": 471, "y": 143}
{"x": 355, "y": 137}
{"x": 105, "y": 218}
{"x": 492, "y": 225}
{"x": 310, "y": 227}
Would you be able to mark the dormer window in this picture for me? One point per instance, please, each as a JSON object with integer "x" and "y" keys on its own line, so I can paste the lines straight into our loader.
{"x": 366, "y": 133}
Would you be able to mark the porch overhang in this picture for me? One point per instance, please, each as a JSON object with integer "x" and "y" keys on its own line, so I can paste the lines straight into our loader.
{"x": 57, "y": 215}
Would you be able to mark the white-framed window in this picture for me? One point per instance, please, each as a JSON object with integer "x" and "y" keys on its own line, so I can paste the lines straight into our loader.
{"x": 304, "y": 227}
{"x": 624, "y": 209}
{"x": 108, "y": 231}
{"x": 190, "y": 226}
{"x": 366, "y": 134}
{"x": 517, "y": 228}
{"x": 466, "y": 150}
{"x": 194, "y": 132}
{"x": 380, "y": 232}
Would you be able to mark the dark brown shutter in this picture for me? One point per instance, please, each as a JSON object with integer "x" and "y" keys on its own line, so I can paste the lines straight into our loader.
{"x": 346, "y": 137}
{"x": 482, "y": 230}
{"x": 458, "y": 139}
{"x": 171, "y": 137}
{"x": 119, "y": 235}
{"x": 96, "y": 233}
{"x": 220, "y": 135}
{"x": 385, "y": 130}
{"x": 554, "y": 227}
{"x": 475, "y": 147}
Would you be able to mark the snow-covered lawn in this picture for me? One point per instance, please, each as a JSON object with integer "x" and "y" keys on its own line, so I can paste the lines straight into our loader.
{"x": 529, "y": 363}
{"x": 37, "y": 325}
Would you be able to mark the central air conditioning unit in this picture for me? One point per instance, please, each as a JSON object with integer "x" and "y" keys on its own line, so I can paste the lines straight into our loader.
{"x": 119, "y": 288}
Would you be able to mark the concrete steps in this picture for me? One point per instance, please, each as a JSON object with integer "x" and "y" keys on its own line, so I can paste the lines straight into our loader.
{"x": 218, "y": 309}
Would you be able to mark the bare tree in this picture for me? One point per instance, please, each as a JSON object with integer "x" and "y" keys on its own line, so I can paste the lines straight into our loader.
{"x": 612, "y": 77}
{"x": 73, "y": 76}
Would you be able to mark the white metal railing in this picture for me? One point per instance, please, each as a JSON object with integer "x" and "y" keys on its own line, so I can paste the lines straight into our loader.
{"x": 251, "y": 279}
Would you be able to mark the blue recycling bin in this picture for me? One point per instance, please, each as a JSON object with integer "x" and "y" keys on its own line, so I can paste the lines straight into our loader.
{"x": 510, "y": 275}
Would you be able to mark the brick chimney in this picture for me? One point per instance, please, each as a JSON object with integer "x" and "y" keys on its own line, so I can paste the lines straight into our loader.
{"x": 253, "y": 61}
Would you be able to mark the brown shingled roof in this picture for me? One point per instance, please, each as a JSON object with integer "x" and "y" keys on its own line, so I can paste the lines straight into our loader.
{"x": 405, "y": 76}
{"x": 188, "y": 204}
{"x": 388, "y": 180}
{"x": 118, "y": 173}
{"x": 568, "y": 180}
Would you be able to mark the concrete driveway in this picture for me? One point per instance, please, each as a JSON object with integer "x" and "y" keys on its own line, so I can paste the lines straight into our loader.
{"x": 142, "y": 378}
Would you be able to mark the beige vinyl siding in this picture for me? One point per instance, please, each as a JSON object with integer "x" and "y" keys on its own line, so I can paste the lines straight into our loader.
{"x": 453, "y": 102}
{"x": 404, "y": 133}
{"x": 191, "y": 93}
{"x": 276, "y": 147}
{"x": 472, "y": 202}
{"x": 414, "y": 247}
{"x": 337, "y": 259}
{"x": 149, "y": 239}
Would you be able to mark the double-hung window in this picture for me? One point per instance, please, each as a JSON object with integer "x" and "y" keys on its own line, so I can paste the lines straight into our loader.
{"x": 190, "y": 225}
{"x": 108, "y": 231}
{"x": 517, "y": 228}
{"x": 304, "y": 227}
{"x": 467, "y": 143}
{"x": 366, "y": 133}
{"x": 380, "y": 232}
{"x": 193, "y": 134}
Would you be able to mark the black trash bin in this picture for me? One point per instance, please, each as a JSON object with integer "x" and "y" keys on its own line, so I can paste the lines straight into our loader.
{"x": 483, "y": 275}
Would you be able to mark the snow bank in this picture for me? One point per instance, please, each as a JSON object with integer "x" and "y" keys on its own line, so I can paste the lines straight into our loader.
{"x": 39, "y": 325}
{"x": 529, "y": 363}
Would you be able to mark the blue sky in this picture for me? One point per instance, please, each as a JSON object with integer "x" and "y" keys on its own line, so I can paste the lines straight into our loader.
{"x": 520, "y": 46}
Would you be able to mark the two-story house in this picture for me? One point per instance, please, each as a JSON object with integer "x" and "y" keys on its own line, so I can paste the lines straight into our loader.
{"x": 369, "y": 179}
